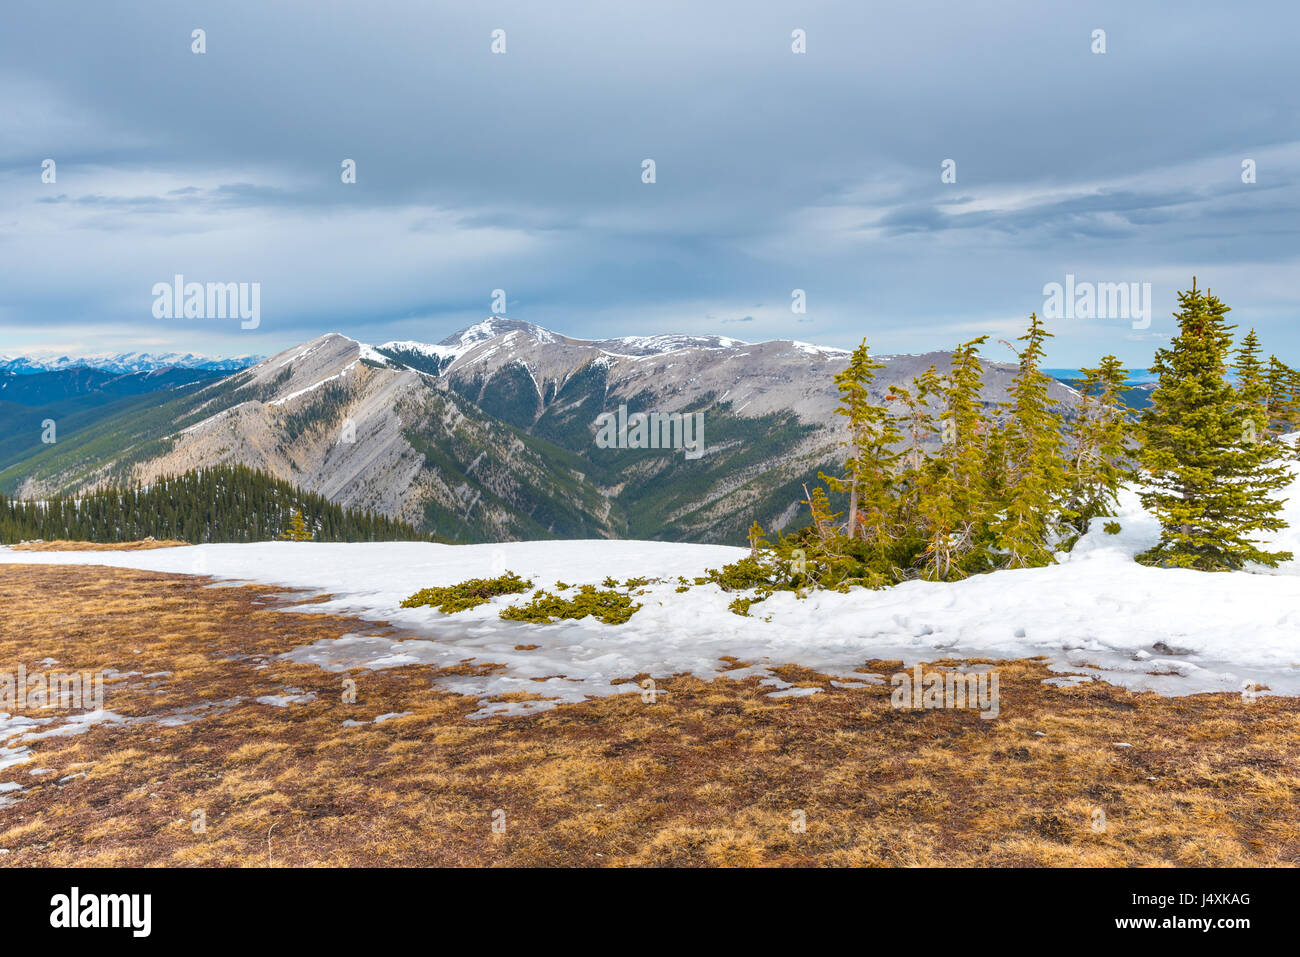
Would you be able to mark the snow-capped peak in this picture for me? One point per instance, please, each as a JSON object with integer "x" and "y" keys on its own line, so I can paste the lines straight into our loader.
{"x": 122, "y": 362}
{"x": 494, "y": 326}
{"x": 657, "y": 345}
{"x": 812, "y": 349}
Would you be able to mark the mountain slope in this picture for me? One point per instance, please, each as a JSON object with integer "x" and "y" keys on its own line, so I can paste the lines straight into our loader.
{"x": 769, "y": 419}
{"x": 490, "y": 434}
{"x": 334, "y": 417}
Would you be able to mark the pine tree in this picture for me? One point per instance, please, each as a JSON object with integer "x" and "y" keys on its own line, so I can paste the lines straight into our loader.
{"x": 869, "y": 469}
{"x": 822, "y": 516}
{"x": 1252, "y": 389}
{"x": 1210, "y": 475}
{"x": 1283, "y": 397}
{"x": 918, "y": 419}
{"x": 219, "y": 504}
{"x": 919, "y": 424}
{"x": 1033, "y": 477}
{"x": 955, "y": 507}
{"x": 1099, "y": 443}
{"x": 297, "y": 530}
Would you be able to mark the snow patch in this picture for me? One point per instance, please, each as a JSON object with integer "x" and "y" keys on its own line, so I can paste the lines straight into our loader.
{"x": 1095, "y": 615}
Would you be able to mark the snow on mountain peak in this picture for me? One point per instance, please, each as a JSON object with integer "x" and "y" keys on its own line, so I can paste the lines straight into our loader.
{"x": 122, "y": 362}
{"x": 672, "y": 342}
{"x": 494, "y": 326}
{"x": 816, "y": 350}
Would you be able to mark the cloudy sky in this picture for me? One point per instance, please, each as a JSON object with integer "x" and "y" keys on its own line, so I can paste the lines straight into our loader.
{"x": 522, "y": 171}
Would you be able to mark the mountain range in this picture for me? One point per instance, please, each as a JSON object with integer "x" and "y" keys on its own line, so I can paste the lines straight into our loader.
{"x": 122, "y": 362}
{"x": 489, "y": 435}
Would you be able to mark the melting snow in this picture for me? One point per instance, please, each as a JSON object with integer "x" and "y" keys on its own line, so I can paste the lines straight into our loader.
{"x": 1096, "y": 614}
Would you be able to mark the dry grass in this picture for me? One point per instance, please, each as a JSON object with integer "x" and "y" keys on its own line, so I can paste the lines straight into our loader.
{"x": 64, "y": 545}
{"x": 711, "y": 774}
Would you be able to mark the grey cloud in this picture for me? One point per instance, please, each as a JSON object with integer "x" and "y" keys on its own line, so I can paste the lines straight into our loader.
{"x": 522, "y": 171}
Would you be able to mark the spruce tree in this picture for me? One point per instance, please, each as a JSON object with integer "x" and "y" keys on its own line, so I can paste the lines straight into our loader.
{"x": 297, "y": 530}
{"x": 954, "y": 510}
{"x": 1252, "y": 389}
{"x": 1210, "y": 474}
{"x": 1283, "y": 397}
{"x": 919, "y": 425}
{"x": 1098, "y": 462}
{"x": 869, "y": 469}
{"x": 823, "y": 518}
{"x": 1033, "y": 477}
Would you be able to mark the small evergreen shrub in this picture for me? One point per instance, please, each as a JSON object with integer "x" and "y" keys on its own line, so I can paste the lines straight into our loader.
{"x": 606, "y": 605}
{"x": 468, "y": 594}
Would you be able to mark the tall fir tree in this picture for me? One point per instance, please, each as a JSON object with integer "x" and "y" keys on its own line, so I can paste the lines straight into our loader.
{"x": 297, "y": 530}
{"x": 918, "y": 423}
{"x": 1252, "y": 388}
{"x": 869, "y": 469}
{"x": 1033, "y": 476}
{"x": 1283, "y": 397}
{"x": 1210, "y": 476}
{"x": 955, "y": 508}
{"x": 1099, "y": 454}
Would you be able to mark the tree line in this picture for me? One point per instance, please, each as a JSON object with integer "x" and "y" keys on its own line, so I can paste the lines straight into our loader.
{"x": 224, "y": 503}
{"x": 938, "y": 484}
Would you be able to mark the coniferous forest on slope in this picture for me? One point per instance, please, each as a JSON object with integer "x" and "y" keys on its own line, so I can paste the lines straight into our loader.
{"x": 220, "y": 504}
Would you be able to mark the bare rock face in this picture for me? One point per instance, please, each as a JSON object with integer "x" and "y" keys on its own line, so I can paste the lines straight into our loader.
{"x": 489, "y": 435}
{"x": 679, "y": 371}
{"x": 322, "y": 419}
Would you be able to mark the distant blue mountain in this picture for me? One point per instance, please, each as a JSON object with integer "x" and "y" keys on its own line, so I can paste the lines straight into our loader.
{"x": 40, "y": 388}
{"x": 1136, "y": 377}
{"x": 1140, "y": 383}
{"x": 123, "y": 362}
{"x": 78, "y": 396}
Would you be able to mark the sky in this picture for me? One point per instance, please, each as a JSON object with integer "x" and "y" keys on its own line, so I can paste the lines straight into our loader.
{"x": 522, "y": 170}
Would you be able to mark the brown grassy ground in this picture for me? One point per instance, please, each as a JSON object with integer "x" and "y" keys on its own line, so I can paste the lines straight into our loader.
{"x": 711, "y": 774}
{"x": 64, "y": 545}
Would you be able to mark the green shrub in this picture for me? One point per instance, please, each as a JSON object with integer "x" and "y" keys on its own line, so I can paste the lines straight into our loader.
{"x": 608, "y": 606}
{"x": 741, "y": 575}
{"x": 741, "y": 606}
{"x": 468, "y": 594}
